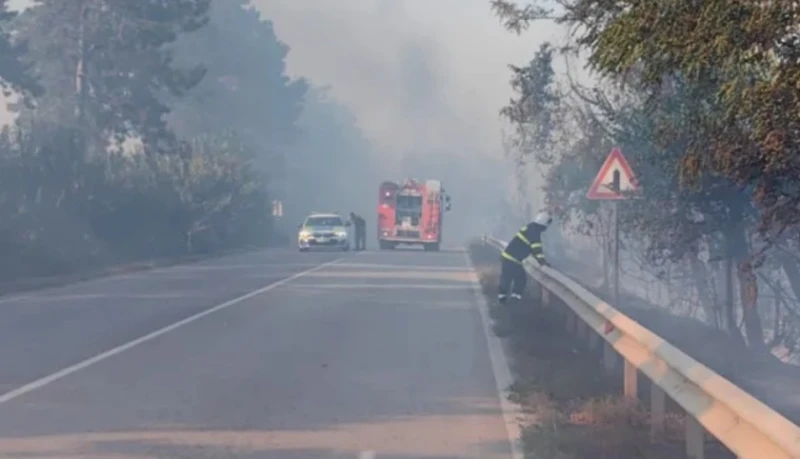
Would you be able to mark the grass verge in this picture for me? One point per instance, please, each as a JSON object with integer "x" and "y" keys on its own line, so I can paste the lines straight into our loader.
{"x": 571, "y": 408}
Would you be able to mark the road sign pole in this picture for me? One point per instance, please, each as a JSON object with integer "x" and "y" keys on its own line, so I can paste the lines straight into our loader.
{"x": 614, "y": 179}
{"x": 616, "y": 254}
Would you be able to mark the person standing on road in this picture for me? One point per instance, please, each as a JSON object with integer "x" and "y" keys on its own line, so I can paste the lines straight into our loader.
{"x": 528, "y": 241}
{"x": 361, "y": 230}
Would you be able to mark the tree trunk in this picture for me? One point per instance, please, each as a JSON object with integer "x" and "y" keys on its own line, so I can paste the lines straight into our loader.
{"x": 748, "y": 292}
{"x": 730, "y": 317}
{"x": 789, "y": 265}
{"x": 80, "y": 69}
{"x": 188, "y": 239}
{"x": 700, "y": 276}
{"x": 738, "y": 249}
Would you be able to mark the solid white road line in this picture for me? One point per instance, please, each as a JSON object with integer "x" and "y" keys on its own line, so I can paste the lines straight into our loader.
{"x": 366, "y": 455}
{"x": 405, "y": 268}
{"x": 512, "y": 412}
{"x": 39, "y": 383}
{"x": 383, "y": 286}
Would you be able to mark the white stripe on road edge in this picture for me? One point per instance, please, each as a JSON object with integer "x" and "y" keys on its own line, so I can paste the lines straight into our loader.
{"x": 382, "y": 286}
{"x": 512, "y": 412}
{"x": 39, "y": 383}
{"x": 404, "y": 267}
{"x": 366, "y": 455}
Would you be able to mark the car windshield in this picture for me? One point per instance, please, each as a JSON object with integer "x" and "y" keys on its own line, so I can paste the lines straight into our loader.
{"x": 324, "y": 221}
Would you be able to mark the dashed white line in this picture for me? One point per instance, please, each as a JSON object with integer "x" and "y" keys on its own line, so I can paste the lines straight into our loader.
{"x": 39, "y": 383}
{"x": 366, "y": 455}
{"x": 512, "y": 413}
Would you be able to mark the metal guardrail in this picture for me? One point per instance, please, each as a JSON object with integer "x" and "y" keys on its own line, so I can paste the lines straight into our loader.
{"x": 745, "y": 425}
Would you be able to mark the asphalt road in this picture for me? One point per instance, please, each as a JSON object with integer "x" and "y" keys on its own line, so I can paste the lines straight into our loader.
{"x": 265, "y": 355}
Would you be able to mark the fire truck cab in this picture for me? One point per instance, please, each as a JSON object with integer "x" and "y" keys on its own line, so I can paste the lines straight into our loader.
{"x": 410, "y": 213}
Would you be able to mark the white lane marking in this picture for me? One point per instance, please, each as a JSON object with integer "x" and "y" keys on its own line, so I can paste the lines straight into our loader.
{"x": 385, "y": 286}
{"x": 185, "y": 268}
{"x": 512, "y": 412}
{"x": 403, "y": 267}
{"x": 366, "y": 455}
{"x": 39, "y": 383}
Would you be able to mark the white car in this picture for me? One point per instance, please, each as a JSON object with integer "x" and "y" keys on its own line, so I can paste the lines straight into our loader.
{"x": 324, "y": 231}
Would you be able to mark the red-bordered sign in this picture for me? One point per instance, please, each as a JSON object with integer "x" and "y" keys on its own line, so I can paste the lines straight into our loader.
{"x": 615, "y": 170}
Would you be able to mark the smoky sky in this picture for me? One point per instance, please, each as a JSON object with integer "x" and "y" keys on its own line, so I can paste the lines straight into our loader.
{"x": 418, "y": 74}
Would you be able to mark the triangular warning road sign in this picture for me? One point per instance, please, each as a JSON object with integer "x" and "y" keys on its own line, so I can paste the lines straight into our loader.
{"x": 603, "y": 185}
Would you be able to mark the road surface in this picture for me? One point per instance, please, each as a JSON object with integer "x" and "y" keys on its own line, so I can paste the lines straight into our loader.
{"x": 264, "y": 355}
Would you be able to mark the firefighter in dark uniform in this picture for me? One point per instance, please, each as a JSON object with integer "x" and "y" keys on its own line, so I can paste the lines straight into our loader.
{"x": 361, "y": 230}
{"x": 528, "y": 241}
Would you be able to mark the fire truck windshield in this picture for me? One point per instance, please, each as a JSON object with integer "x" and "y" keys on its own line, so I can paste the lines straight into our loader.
{"x": 409, "y": 202}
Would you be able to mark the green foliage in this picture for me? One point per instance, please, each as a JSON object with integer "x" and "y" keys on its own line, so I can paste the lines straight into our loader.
{"x": 160, "y": 129}
{"x": 702, "y": 98}
{"x": 535, "y": 113}
{"x": 105, "y": 66}
{"x": 743, "y": 57}
{"x": 15, "y": 74}
{"x": 62, "y": 212}
{"x": 246, "y": 88}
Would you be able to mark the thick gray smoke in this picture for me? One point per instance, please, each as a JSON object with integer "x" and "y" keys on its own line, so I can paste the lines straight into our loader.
{"x": 425, "y": 81}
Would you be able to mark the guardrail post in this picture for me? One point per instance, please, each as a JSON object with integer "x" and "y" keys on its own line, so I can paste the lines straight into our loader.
{"x": 695, "y": 439}
{"x": 629, "y": 379}
{"x": 657, "y": 408}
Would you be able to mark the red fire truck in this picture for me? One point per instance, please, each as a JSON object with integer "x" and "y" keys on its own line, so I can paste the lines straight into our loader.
{"x": 410, "y": 212}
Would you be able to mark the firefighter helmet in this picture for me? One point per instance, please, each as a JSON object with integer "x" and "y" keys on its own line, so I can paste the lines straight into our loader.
{"x": 543, "y": 218}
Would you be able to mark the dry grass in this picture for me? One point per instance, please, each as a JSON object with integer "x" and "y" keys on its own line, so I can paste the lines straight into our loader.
{"x": 564, "y": 389}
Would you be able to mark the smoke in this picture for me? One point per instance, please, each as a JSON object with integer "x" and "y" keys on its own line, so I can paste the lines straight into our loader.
{"x": 418, "y": 74}
{"x": 425, "y": 80}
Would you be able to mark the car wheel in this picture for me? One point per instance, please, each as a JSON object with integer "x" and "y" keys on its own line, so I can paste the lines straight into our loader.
{"x": 303, "y": 249}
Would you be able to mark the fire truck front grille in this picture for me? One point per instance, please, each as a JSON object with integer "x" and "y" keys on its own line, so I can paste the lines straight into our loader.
{"x": 407, "y": 233}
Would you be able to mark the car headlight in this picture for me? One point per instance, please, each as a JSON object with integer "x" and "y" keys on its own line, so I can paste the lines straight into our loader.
{"x": 305, "y": 234}
{"x": 341, "y": 234}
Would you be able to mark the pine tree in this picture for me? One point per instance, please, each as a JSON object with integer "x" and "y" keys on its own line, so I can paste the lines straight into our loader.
{"x": 106, "y": 65}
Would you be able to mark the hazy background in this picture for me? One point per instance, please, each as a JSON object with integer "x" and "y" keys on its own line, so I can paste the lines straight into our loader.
{"x": 424, "y": 81}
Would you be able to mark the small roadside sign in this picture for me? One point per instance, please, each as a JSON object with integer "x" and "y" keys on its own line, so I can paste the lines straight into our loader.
{"x": 277, "y": 208}
{"x": 615, "y": 178}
